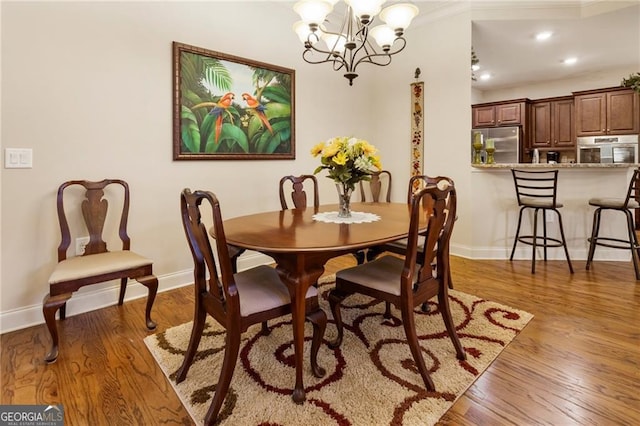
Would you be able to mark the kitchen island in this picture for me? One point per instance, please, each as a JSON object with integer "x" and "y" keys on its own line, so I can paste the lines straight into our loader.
{"x": 494, "y": 202}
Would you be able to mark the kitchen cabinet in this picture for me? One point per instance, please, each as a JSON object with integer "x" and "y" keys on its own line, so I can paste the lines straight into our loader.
{"x": 613, "y": 111}
{"x": 552, "y": 123}
{"x": 508, "y": 113}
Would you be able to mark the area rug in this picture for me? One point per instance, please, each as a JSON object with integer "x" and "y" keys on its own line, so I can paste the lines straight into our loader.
{"x": 371, "y": 379}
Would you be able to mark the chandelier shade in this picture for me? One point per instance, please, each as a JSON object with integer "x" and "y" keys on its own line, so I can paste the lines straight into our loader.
{"x": 347, "y": 38}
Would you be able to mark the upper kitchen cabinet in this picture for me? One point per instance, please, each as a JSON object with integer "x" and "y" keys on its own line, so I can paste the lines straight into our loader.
{"x": 552, "y": 123}
{"x": 507, "y": 113}
{"x": 613, "y": 111}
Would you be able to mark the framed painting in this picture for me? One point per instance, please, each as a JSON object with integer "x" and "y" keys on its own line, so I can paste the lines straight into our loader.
{"x": 230, "y": 108}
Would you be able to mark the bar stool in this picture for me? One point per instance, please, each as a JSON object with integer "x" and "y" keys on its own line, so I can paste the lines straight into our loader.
{"x": 537, "y": 190}
{"x": 625, "y": 205}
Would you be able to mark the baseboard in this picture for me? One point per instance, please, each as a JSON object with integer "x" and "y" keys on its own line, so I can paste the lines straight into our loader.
{"x": 524, "y": 253}
{"x": 86, "y": 300}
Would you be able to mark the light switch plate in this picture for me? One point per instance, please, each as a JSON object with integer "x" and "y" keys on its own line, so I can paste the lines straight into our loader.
{"x": 18, "y": 158}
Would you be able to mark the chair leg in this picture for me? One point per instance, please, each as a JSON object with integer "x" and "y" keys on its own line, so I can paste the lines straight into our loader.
{"x": 151, "y": 282}
{"x": 387, "y": 311}
{"x": 595, "y": 229}
{"x": 319, "y": 320}
{"x": 515, "y": 240}
{"x": 123, "y": 289}
{"x": 373, "y": 253}
{"x": 544, "y": 233}
{"x": 535, "y": 241}
{"x": 335, "y": 299}
{"x": 50, "y": 305}
{"x": 414, "y": 345}
{"x": 265, "y": 331}
{"x": 232, "y": 348}
{"x": 633, "y": 242}
{"x": 564, "y": 241}
{"x": 360, "y": 256}
{"x": 196, "y": 333}
{"x": 445, "y": 311}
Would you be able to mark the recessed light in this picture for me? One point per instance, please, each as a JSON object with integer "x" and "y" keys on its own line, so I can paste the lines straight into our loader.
{"x": 485, "y": 76}
{"x": 570, "y": 61}
{"x": 544, "y": 35}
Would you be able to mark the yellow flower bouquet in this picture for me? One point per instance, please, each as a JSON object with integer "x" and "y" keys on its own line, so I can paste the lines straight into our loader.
{"x": 349, "y": 161}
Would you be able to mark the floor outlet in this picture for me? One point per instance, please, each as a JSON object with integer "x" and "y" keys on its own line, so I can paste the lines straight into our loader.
{"x": 81, "y": 243}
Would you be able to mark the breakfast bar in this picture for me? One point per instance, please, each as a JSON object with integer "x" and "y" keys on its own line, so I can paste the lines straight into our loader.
{"x": 493, "y": 197}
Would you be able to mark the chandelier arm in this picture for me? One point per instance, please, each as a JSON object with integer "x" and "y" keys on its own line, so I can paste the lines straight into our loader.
{"x": 370, "y": 58}
{"x": 330, "y": 55}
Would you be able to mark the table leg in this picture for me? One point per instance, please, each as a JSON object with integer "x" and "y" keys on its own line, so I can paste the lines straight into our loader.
{"x": 298, "y": 283}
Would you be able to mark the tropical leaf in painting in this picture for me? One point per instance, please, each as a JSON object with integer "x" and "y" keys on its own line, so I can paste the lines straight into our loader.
{"x": 268, "y": 143}
{"x": 277, "y": 110}
{"x": 189, "y": 130}
{"x": 216, "y": 75}
{"x": 277, "y": 93}
{"x": 232, "y": 139}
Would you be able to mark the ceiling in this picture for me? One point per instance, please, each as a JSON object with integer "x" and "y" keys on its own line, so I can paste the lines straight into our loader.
{"x": 507, "y": 48}
{"x": 601, "y": 34}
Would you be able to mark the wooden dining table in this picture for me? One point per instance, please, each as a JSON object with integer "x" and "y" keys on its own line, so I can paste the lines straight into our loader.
{"x": 301, "y": 246}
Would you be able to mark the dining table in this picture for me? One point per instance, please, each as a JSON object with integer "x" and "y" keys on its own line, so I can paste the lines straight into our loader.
{"x": 300, "y": 245}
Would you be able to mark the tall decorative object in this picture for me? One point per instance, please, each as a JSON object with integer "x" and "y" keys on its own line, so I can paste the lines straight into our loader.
{"x": 490, "y": 148}
{"x": 477, "y": 148}
{"x": 417, "y": 126}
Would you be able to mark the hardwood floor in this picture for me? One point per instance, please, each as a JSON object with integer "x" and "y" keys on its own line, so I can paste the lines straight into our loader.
{"x": 577, "y": 362}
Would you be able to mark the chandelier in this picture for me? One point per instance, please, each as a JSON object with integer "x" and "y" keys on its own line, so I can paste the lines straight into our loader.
{"x": 349, "y": 45}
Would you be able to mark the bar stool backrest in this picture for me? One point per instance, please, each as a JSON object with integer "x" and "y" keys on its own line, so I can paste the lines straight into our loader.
{"x": 633, "y": 194}
{"x": 537, "y": 187}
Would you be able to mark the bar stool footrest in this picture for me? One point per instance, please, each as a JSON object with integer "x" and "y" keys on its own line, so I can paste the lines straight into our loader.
{"x": 528, "y": 239}
{"x": 609, "y": 242}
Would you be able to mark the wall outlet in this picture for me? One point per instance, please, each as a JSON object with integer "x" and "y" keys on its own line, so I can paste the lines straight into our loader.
{"x": 81, "y": 243}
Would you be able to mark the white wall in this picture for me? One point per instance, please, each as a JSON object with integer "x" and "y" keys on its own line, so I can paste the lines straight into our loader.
{"x": 87, "y": 86}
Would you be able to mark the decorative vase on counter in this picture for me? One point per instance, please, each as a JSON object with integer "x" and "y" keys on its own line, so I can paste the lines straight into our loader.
{"x": 344, "y": 200}
{"x": 490, "y": 149}
{"x": 477, "y": 147}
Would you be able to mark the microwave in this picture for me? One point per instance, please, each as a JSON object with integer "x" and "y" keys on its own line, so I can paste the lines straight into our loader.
{"x": 621, "y": 149}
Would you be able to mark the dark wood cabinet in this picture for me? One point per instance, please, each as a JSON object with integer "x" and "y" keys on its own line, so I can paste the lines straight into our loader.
{"x": 613, "y": 111}
{"x": 509, "y": 113}
{"x": 552, "y": 123}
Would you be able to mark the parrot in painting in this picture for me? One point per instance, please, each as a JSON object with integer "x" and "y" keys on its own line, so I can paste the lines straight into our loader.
{"x": 258, "y": 108}
{"x": 224, "y": 103}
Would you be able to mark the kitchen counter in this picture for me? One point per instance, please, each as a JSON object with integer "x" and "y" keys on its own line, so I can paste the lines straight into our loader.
{"x": 493, "y": 200}
{"x": 556, "y": 166}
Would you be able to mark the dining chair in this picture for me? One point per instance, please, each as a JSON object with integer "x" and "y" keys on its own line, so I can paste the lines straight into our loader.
{"x": 236, "y": 301}
{"x": 97, "y": 264}
{"x": 416, "y": 183}
{"x": 373, "y": 191}
{"x": 410, "y": 281}
{"x": 625, "y": 205}
{"x": 298, "y": 195}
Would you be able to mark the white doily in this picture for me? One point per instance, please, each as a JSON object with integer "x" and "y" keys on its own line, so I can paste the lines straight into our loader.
{"x": 356, "y": 217}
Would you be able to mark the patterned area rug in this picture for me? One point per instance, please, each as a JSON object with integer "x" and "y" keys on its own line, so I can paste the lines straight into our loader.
{"x": 370, "y": 380}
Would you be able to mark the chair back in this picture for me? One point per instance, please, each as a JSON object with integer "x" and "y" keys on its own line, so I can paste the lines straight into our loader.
{"x": 222, "y": 290}
{"x": 94, "y": 210}
{"x": 378, "y": 187}
{"x": 298, "y": 194}
{"x": 538, "y": 187}
{"x": 633, "y": 193}
{"x": 440, "y": 217}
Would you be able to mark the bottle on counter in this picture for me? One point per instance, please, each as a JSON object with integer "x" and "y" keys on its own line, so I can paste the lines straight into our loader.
{"x": 536, "y": 156}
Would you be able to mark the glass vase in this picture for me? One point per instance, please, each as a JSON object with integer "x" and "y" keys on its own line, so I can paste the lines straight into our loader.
{"x": 344, "y": 200}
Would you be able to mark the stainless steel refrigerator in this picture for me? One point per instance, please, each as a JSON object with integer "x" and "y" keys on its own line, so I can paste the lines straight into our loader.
{"x": 506, "y": 141}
